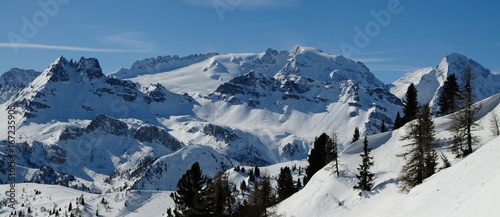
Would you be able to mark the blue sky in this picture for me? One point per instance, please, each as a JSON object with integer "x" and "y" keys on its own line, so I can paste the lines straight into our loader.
{"x": 407, "y": 35}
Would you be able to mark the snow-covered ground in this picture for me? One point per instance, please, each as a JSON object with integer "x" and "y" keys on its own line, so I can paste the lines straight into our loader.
{"x": 468, "y": 188}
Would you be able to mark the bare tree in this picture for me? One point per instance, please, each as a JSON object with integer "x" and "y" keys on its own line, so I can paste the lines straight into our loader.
{"x": 495, "y": 124}
{"x": 464, "y": 119}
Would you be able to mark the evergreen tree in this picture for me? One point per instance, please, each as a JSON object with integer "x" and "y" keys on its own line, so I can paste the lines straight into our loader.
{"x": 97, "y": 212}
{"x": 316, "y": 157}
{"x": 257, "y": 172}
{"x": 285, "y": 187}
{"x": 398, "y": 122}
{"x": 449, "y": 97}
{"x": 355, "y": 136}
{"x": 446, "y": 162}
{"x": 189, "y": 198}
{"x": 365, "y": 177}
{"x": 421, "y": 158}
{"x": 331, "y": 151}
{"x": 70, "y": 207}
{"x": 299, "y": 184}
{"x": 410, "y": 108}
{"x": 251, "y": 176}
{"x": 243, "y": 186}
{"x": 383, "y": 128}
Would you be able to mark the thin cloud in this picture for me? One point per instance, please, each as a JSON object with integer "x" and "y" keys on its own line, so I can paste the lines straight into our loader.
{"x": 244, "y": 4}
{"x": 68, "y": 48}
{"x": 129, "y": 39}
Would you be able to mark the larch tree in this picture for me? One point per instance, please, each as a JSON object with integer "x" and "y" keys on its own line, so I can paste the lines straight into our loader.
{"x": 463, "y": 122}
{"x": 421, "y": 157}
{"x": 331, "y": 152}
{"x": 365, "y": 176}
{"x": 495, "y": 124}
{"x": 220, "y": 195}
{"x": 262, "y": 197}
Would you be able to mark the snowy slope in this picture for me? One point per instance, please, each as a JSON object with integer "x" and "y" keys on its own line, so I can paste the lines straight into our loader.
{"x": 53, "y": 197}
{"x": 203, "y": 75}
{"x": 468, "y": 188}
{"x": 13, "y": 81}
{"x": 429, "y": 81}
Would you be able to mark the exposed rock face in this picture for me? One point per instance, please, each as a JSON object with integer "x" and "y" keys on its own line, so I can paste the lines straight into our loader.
{"x": 13, "y": 81}
{"x": 154, "y": 134}
{"x": 307, "y": 95}
{"x": 107, "y": 125}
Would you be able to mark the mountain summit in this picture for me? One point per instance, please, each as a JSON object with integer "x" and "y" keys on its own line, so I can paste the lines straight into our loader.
{"x": 429, "y": 81}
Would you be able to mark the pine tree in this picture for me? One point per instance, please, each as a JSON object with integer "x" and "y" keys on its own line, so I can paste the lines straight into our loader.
{"x": 70, "y": 207}
{"x": 257, "y": 172}
{"x": 398, "y": 122}
{"x": 97, "y": 212}
{"x": 251, "y": 176}
{"x": 421, "y": 158}
{"x": 383, "y": 128}
{"x": 410, "y": 108}
{"x": 316, "y": 157}
{"x": 446, "y": 162}
{"x": 243, "y": 186}
{"x": 449, "y": 97}
{"x": 355, "y": 136}
{"x": 189, "y": 198}
{"x": 285, "y": 187}
{"x": 365, "y": 177}
{"x": 299, "y": 184}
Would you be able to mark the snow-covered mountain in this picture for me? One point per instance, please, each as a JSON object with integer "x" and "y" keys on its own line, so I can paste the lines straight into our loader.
{"x": 429, "y": 81}
{"x": 13, "y": 81}
{"x": 142, "y": 128}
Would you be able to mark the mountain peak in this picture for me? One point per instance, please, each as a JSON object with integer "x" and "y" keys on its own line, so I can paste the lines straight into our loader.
{"x": 90, "y": 68}
{"x": 299, "y": 49}
{"x": 316, "y": 64}
{"x": 64, "y": 70}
